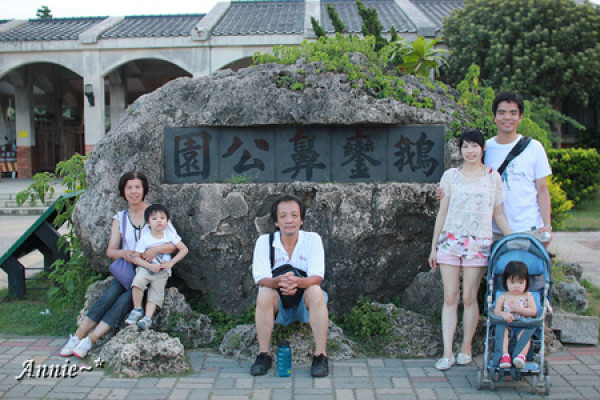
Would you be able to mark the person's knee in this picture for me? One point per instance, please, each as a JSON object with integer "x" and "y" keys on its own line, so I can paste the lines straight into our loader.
{"x": 266, "y": 299}
{"x": 313, "y": 297}
{"x": 469, "y": 299}
{"x": 451, "y": 297}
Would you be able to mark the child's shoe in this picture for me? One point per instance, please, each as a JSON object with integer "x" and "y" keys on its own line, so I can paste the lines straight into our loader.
{"x": 519, "y": 361}
{"x": 134, "y": 316}
{"x": 144, "y": 323}
{"x": 67, "y": 350}
{"x": 82, "y": 348}
{"x": 505, "y": 361}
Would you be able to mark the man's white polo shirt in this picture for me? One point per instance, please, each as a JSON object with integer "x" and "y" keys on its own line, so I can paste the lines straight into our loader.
{"x": 308, "y": 255}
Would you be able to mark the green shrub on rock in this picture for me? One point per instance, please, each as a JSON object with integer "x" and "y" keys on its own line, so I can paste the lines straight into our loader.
{"x": 577, "y": 171}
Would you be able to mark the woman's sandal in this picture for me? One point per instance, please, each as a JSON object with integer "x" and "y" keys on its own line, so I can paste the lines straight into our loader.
{"x": 445, "y": 363}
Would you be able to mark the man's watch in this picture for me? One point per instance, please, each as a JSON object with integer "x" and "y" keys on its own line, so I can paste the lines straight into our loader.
{"x": 547, "y": 226}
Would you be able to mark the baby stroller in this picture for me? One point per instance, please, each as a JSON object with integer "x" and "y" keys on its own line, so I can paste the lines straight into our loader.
{"x": 528, "y": 249}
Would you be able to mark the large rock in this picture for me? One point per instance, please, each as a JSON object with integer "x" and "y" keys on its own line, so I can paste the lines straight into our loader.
{"x": 175, "y": 317}
{"x": 570, "y": 295}
{"x": 376, "y": 236}
{"x": 574, "y": 328}
{"x": 241, "y": 343}
{"x": 425, "y": 295}
{"x": 131, "y": 353}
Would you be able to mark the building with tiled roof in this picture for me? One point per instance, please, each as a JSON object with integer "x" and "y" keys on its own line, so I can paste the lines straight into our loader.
{"x": 90, "y": 64}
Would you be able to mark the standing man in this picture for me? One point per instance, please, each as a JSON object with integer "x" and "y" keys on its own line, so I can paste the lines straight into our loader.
{"x": 295, "y": 295}
{"x": 527, "y": 204}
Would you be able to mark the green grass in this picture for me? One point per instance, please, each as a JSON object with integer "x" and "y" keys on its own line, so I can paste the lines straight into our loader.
{"x": 584, "y": 218}
{"x": 25, "y": 318}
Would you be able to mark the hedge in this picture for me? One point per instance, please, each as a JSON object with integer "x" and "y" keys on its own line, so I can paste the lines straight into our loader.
{"x": 577, "y": 171}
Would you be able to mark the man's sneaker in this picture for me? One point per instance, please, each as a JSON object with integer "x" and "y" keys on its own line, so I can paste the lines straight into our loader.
{"x": 67, "y": 350}
{"x": 144, "y": 323}
{"x": 134, "y": 316}
{"x": 261, "y": 365}
{"x": 81, "y": 350}
{"x": 505, "y": 361}
{"x": 320, "y": 366}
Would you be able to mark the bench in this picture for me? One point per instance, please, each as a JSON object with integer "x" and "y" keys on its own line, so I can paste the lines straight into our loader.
{"x": 43, "y": 236}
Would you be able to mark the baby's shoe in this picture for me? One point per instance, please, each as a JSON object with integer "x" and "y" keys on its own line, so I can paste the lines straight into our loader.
{"x": 134, "y": 316}
{"x": 144, "y": 323}
{"x": 505, "y": 361}
{"x": 519, "y": 361}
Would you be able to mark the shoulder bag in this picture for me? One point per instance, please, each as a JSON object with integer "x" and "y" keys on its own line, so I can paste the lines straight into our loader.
{"x": 123, "y": 270}
{"x": 286, "y": 301}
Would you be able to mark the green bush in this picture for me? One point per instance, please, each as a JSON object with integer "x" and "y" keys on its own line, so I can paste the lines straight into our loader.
{"x": 70, "y": 279}
{"x": 366, "y": 321}
{"x": 577, "y": 171}
{"x": 560, "y": 204}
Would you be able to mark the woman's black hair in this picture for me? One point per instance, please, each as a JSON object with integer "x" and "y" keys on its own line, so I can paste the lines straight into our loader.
{"x": 153, "y": 209}
{"x": 131, "y": 175}
{"x": 516, "y": 270}
{"x": 283, "y": 199}
{"x": 474, "y": 136}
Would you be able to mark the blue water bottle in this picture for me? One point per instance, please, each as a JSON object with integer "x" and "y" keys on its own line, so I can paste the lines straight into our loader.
{"x": 284, "y": 358}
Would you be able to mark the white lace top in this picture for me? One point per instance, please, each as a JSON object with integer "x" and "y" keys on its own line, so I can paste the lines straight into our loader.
{"x": 471, "y": 202}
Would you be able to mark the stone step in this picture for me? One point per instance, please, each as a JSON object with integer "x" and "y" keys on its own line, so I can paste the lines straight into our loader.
{"x": 21, "y": 211}
{"x": 9, "y": 206}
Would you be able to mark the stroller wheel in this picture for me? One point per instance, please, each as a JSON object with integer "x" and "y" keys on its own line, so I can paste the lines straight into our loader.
{"x": 534, "y": 381}
{"x": 492, "y": 383}
{"x": 547, "y": 385}
{"x": 478, "y": 384}
{"x": 546, "y": 368}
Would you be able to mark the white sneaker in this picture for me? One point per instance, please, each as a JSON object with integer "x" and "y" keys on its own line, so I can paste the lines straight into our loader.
{"x": 82, "y": 348}
{"x": 445, "y": 363}
{"x": 67, "y": 350}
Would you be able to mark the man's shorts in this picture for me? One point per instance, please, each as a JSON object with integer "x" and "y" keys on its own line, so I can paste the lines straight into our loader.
{"x": 443, "y": 257}
{"x": 155, "y": 283}
{"x": 298, "y": 313}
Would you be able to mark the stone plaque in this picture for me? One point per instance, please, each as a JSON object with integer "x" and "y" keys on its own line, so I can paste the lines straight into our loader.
{"x": 307, "y": 153}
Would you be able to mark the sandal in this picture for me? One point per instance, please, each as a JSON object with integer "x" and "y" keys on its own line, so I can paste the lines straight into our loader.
{"x": 463, "y": 359}
{"x": 445, "y": 363}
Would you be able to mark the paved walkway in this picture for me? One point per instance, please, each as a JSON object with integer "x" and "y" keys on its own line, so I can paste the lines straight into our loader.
{"x": 575, "y": 374}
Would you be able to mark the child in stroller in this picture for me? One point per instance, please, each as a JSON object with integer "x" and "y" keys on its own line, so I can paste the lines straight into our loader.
{"x": 527, "y": 334}
{"x": 515, "y": 303}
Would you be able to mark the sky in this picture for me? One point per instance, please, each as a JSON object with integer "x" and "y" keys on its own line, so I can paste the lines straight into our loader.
{"x": 25, "y": 9}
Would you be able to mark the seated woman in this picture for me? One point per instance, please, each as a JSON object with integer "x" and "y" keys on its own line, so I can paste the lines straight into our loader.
{"x": 112, "y": 307}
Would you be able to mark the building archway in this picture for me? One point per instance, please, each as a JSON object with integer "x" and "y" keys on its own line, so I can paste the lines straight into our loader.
{"x": 134, "y": 78}
{"x": 42, "y": 108}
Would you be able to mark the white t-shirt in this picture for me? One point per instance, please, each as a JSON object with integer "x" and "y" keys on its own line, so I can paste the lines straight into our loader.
{"x": 308, "y": 255}
{"x": 147, "y": 241}
{"x": 521, "y": 206}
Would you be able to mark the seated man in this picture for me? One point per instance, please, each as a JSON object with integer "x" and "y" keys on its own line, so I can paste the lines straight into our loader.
{"x": 280, "y": 298}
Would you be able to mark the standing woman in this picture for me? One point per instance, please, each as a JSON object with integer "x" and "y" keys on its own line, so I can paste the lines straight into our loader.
{"x": 462, "y": 239}
{"x": 110, "y": 309}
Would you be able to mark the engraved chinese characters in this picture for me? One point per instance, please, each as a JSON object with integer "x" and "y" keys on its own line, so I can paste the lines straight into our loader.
{"x": 308, "y": 153}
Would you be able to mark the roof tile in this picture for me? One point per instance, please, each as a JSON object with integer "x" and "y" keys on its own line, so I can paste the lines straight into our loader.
{"x": 437, "y": 10}
{"x": 388, "y": 11}
{"x": 154, "y": 26}
{"x": 51, "y": 29}
{"x": 262, "y": 17}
